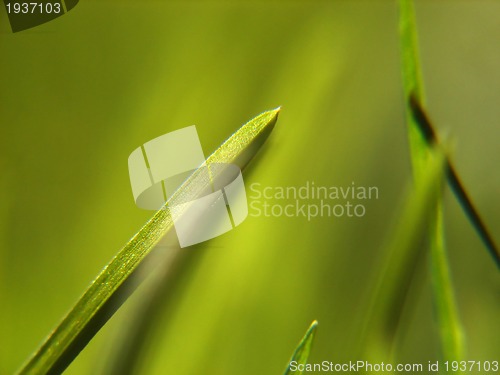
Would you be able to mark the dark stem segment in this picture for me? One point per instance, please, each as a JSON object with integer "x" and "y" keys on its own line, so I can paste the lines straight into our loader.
{"x": 454, "y": 181}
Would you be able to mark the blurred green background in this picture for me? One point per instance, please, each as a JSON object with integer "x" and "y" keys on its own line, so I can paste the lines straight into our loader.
{"x": 78, "y": 94}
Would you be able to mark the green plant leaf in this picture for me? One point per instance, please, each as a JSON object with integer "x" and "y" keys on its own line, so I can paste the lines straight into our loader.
{"x": 122, "y": 275}
{"x": 412, "y": 81}
{"x": 301, "y": 354}
{"x": 443, "y": 295}
{"x": 402, "y": 255}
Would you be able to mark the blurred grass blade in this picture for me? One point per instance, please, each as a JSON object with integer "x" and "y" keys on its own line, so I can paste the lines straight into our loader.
{"x": 412, "y": 80}
{"x": 301, "y": 354}
{"x": 444, "y": 302}
{"x": 122, "y": 275}
{"x": 449, "y": 326}
{"x": 412, "y": 73}
{"x": 402, "y": 255}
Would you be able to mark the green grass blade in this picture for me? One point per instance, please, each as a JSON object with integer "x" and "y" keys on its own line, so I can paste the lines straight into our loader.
{"x": 403, "y": 253}
{"x": 120, "y": 277}
{"x": 450, "y": 328}
{"x": 412, "y": 72}
{"x": 412, "y": 81}
{"x": 301, "y": 354}
{"x": 133, "y": 341}
{"x": 157, "y": 294}
{"x": 444, "y": 301}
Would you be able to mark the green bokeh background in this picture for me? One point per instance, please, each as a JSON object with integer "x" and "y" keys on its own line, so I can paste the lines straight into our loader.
{"x": 78, "y": 94}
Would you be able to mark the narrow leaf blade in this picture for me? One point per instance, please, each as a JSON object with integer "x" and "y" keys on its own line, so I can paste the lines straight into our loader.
{"x": 422, "y": 141}
{"x": 301, "y": 354}
{"x": 120, "y": 277}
